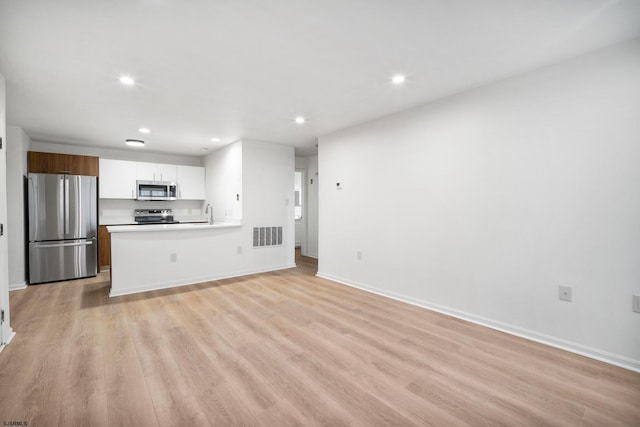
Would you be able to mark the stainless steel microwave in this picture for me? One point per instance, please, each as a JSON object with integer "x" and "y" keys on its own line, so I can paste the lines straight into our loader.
{"x": 156, "y": 190}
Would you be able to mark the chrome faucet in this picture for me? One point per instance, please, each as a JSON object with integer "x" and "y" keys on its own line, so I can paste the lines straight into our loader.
{"x": 209, "y": 210}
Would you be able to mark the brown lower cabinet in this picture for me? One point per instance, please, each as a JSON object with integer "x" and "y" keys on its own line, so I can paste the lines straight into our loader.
{"x": 104, "y": 248}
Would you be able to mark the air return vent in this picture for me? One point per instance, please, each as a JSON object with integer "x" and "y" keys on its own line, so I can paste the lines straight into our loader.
{"x": 267, "y": 236}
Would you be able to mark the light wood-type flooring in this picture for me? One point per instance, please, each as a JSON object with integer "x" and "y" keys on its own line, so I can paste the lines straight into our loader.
{"x": 285, "y": 348}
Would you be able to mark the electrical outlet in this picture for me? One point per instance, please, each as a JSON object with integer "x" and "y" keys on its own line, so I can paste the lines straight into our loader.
{"x": 636, "y": 303}
{"x": 565, "y": 293}
{"x": 239, "y": 250}
{"x": 359, "y": 255}
{"x": 173, "y": 257}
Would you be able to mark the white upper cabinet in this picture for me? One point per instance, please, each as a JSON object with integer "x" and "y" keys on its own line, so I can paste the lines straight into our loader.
{"x": 117, "y": 179}
{"x": 155, "y": 172}
{"x": 167, "y": 172}
{"x": 146, "y": 171}
{"x": 190, "y": 181}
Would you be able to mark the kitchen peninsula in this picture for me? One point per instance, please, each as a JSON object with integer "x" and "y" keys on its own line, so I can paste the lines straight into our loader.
{"x": 158, "y": 256}
{"x": 250, "y": 186}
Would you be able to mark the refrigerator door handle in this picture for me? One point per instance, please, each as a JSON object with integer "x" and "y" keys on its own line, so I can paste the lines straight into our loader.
{"x": 59, "y": 245}
{"x": 66, "y": 204}
{"x": 60, "y": 208}
{"x": 33, "y": 207}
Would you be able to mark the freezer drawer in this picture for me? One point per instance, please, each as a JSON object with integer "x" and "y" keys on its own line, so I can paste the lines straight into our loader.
{"x": 62, "y": 260}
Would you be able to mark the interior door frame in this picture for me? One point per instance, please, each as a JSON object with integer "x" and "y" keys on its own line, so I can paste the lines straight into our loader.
{"x": 303, "y": 221}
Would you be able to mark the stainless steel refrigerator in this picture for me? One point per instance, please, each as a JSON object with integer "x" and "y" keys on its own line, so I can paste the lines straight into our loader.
{"x": 63, "y": 227}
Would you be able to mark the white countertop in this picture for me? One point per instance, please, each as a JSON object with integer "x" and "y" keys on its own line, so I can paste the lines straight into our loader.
{"x": 170, "y": 227}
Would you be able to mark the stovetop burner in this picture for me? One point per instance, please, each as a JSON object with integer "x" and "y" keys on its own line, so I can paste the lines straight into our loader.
{"x": 154, "y": 216}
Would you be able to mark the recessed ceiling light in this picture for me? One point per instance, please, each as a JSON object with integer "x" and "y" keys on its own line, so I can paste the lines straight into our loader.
{"x": 134, "y": 142}
{"x": 215, "y": 139}
{"x": 144, "y": 130}
{"x": 126, "y": 80}
{"x": 398, "y": 79}
{"x": 299, "y": 120}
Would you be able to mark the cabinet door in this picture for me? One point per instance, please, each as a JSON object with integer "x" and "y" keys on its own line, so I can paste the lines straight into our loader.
{"x": 104, "y": 247}
{"x": 155, "y": 172}
{"x": 166, "y": 172}
{"x": 83, "y": 165}
{"x": 146, "y": 171}
{"x": 117, "y": 179}
{"x": 190, "y": 182}
{"x": 47, "y": 163}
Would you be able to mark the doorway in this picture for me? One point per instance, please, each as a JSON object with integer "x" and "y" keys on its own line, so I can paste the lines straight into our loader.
{"x": 306, "y": 205}
{"x": 299, "y": 209}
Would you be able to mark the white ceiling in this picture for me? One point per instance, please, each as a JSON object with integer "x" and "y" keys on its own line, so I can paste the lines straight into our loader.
{"x": 246, "y": 68}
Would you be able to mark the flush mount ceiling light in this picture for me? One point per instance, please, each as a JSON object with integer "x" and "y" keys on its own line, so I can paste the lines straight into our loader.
{"x": 398, "y": 79}
{"x": 215, "y": 139}
{"x": 127, "y": 81}
{"x": 144, "y": 130}
{"x": 134, "y": 142}
{"x": 300, "y": 120}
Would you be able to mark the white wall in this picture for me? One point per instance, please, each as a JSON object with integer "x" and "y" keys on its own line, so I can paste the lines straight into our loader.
{"x": 267, "y": 187}
{"x": 261, "y": 173}
{"x": 312, "y": 206}
{"x": 481, "y": 204}
{"x": 224, "y": 182}
{"x": 18, "y": 143}
{"x": 6, "y": 333}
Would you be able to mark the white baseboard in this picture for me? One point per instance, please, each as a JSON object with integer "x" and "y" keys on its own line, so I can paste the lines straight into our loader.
{"x": 194, "y": 280}
{"x": 583, "y": 350}
{"x": 17, "y": 286}
{"x": 11, "y": 335}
